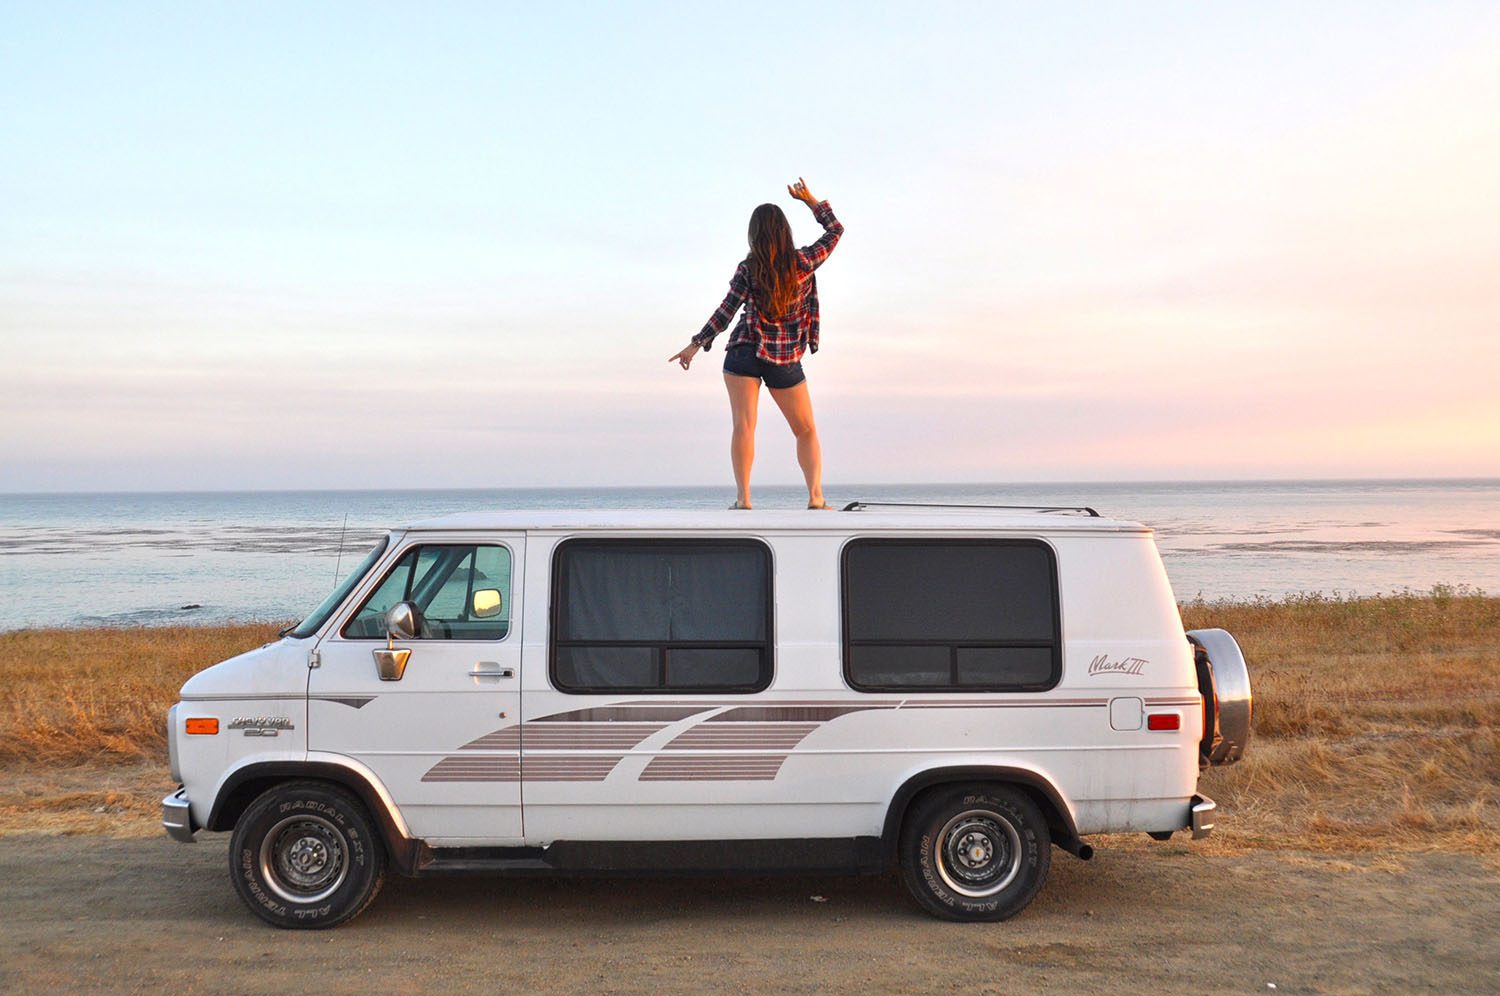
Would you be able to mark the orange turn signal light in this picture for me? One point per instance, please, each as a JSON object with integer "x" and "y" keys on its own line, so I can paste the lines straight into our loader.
{"x": 202, "y": 727}
{"x": 1162, "y": 721}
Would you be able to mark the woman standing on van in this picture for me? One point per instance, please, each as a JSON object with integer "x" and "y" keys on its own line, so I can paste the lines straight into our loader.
{"x": 775, "y": 284}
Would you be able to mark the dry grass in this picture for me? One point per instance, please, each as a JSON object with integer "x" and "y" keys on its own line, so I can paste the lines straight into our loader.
{"x": 1375, "y": 721}
{"x": 76, "y": 695}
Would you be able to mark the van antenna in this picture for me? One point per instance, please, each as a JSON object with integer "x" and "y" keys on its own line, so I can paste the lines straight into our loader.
{"x": 339, "y": 562}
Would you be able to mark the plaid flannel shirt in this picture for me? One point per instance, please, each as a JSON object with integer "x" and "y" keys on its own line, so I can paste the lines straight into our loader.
{"x": 782, "y": 340}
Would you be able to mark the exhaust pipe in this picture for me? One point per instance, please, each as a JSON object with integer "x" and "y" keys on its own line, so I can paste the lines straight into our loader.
{"x": 1075, "y": 847}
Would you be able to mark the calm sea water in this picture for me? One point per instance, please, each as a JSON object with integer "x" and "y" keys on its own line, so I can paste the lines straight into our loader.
{"x": 142, "y": 559}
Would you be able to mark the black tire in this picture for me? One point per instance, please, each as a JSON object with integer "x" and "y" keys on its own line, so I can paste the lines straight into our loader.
{"x": 306, "y": 855}
{"x": 974, "y": 852}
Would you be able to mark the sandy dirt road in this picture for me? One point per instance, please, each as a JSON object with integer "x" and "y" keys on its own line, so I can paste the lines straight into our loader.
{"x": 149, "y": 914}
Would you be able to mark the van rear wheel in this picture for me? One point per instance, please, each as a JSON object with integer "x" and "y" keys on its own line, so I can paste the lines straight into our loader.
{"x": 974, "y": 852}
{"x": 306, "y": 855}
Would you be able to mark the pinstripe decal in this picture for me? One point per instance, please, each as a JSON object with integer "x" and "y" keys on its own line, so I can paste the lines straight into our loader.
{"x": 1026, "y": 703}
{"x": 633, "y": 713}
{"x": 555, "y": 768}
{"x": 570, "y": 736}
{"x": 352, "y": 701}
{"x": 1013, "y": 705}
{"x": 713, "y": 768}
{"x": 740, "y": 701}
{"x": 561, "y": 768}
{"x": 784, "y": 713}
{"x": 743, "y": 736}
{"x": 749, "y": 742}
{"x": 475, "y": 769}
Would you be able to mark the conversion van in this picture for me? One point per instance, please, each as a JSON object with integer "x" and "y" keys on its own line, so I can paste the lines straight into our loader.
{"x": 948, "y": 691}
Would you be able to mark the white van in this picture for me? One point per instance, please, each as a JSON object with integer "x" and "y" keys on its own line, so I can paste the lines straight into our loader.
{"x": 947, "y": 690}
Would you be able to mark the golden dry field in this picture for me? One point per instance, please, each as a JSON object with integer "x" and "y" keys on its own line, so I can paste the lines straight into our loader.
{"x": 1374, "y": 727}
{"x": 1375, "y": 723}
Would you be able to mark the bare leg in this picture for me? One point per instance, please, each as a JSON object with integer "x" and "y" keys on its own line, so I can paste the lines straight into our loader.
{"x": 744, "y": 400}
{"x": 796, "y": 404}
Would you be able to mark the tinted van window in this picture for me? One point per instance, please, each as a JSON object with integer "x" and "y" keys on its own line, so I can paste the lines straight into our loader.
{"x": 661, "y": 616}
{"x": 952, "y": 615}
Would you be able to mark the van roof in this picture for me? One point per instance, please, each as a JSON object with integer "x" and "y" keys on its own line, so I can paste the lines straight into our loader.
{"x": 781, "y": 520}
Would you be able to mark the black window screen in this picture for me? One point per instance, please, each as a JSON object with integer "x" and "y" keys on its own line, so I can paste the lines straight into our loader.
{"x": 977, "y": 615}
{"x": 661, "y": 615}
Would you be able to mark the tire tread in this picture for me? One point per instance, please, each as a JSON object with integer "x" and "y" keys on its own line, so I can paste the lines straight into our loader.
{"x": 354, "y": 807}
{"x": 927, "y": 811}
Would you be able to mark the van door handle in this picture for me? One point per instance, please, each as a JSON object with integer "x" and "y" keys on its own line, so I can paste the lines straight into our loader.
{"x": 489, "y": 669}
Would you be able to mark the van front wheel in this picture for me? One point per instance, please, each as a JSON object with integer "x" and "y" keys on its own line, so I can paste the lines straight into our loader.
{"x": 306, "y": 855}
{"x": 974, "y": 852}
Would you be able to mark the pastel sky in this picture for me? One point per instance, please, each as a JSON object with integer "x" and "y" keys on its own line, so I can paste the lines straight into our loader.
{"x": 443, "y": 245}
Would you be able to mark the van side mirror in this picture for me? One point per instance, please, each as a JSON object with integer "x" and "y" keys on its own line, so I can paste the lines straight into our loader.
{"x": 404, "y": 621}
{"x": 488, "y": 603}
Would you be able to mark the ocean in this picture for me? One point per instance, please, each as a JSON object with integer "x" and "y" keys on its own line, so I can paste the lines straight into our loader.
{"x": 204, "y": 557}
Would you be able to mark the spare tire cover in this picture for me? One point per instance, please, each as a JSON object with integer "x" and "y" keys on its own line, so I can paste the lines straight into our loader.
{"x": 1228, "y": 701}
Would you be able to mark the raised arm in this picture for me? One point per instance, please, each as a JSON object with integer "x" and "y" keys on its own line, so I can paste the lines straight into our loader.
{"x": 814, "y": 255}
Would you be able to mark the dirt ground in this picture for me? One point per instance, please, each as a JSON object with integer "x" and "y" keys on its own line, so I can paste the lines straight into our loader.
{"x": 85, "y": 910}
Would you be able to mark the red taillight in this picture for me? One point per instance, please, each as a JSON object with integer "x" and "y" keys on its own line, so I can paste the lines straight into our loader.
{"x": 1164, "y": 721}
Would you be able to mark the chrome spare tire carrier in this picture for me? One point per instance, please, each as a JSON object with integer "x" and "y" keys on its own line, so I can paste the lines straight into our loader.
{"x": 1224, "y": 680}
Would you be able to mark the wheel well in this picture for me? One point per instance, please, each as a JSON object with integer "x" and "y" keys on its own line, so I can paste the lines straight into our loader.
{"x": 234, "y": 800}
{"x": 247, "y": 784}
{"x": 1041, "y": 792}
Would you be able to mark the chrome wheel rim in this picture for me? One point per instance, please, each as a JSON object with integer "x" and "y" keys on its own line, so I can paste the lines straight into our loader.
{"x": 978, "y": 853}
{"x": 303, "y": 859}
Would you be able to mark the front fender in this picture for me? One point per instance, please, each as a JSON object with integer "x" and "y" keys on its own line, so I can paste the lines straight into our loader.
{"x": 253, "y": 775}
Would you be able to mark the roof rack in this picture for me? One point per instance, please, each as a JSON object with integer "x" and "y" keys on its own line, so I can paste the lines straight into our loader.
{"x": 855, "y": 506}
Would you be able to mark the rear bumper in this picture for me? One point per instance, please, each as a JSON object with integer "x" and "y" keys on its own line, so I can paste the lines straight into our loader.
{"x": 1203, "y": 812}
{"x": 177, "y": 817}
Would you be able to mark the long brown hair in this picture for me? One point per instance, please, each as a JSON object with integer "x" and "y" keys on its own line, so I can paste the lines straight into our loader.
{"x": 773, "y": 261}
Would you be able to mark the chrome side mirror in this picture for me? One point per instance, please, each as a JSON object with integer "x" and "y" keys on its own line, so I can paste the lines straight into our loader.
{"x": 403, "y": 621}
{"x": 488, "y": 603}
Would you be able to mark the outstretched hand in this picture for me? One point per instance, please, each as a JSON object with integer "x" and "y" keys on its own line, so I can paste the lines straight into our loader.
{"x": 685, "y": 356}
{"x": 799, "y": 190}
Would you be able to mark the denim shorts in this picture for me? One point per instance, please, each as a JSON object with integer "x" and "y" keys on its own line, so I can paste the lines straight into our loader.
{"x": 742, "y": 360}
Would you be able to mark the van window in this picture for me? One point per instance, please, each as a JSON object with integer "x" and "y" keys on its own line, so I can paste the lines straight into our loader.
{"x": 658, "y": 615}
{"x": 950, "y": 615}
{"x": 463, "y": 591}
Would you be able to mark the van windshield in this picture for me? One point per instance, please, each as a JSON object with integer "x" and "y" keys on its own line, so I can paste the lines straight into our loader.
{"x": 319, "y": 616}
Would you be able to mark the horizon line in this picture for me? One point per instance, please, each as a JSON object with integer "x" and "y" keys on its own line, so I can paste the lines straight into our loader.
{"x": 700, "y": 487}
